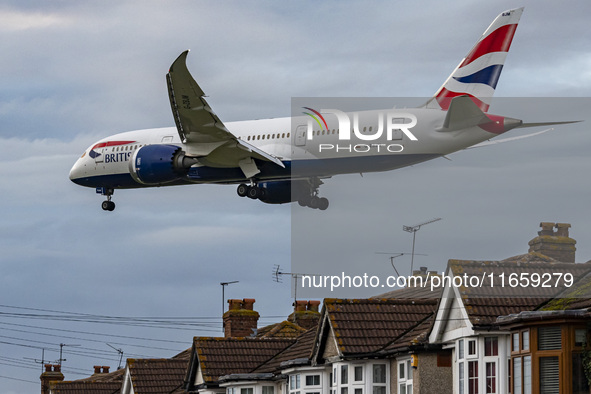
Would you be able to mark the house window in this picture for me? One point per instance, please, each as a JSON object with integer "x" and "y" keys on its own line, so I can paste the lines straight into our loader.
{"x": 379, "y": 379}
{"x": 472, "y": 347}
{"x": 461, "y": 377}
{"x": 460, "y": 349}
{"x": 580, "y": 337}
{"x": 231, "y": 390}
{"x": 517, "y": 383}
{"x": 491, "y": 346}
{"x": 472, "y": 377}
{"x": 358, "y": 372}
{"x": 312, "y": 380}
{"x": 515, "y": 342}
{"x": 527, "y": 375}
{"x": 491, "y": 378}
{"x": 525, "y": 340}
{"x": 294, "y": 382}
{"x": 549, "y": 338}
{"x": 358, "y": 391}
{"x": 344, "y": 374}
{"x": 404, "y": 378}
{"x": 246, "y": 390}
{"x": 549, "y": 375}
{"x": 268, "y": 390}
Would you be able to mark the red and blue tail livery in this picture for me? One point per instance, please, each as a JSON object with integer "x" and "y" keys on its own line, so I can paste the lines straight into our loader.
{"x": 478, "y": 73}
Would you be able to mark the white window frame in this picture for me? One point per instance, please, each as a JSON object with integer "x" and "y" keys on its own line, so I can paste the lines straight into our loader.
{"x": 405, "y": 381}
{"x": 371, "y": 383}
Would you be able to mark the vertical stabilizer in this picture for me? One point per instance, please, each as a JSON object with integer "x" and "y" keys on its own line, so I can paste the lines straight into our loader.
{"x": 478, "y": 73}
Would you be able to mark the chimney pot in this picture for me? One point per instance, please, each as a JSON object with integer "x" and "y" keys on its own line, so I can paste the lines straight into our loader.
{"x": 313, "y": 306}
{"x": 234, "y": 305}
{"x": 424, "y": 270}
{"x": 562, "y": 229}
{"x": 106, "y": 369}
{"x": 300, "y": 306}
{"x": 57, "y": 368}
{"x": 547, "y": 228}
{"x": 248, "y": 303}
{"x": 97, "y": 369}
{"x": 48, "y": 367}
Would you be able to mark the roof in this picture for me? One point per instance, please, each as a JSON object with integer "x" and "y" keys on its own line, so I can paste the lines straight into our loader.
{"x": 412, "y": 292}
{"x": 299, "y": 351}
{"x": 486, "y": 301}
{"x": 364, "y": 326}
{"x": 156, "y": 375}
{"x": 285, "y": 329}
{"x": 104, "y": 383}
{"x": 86, "y": 387}
{"x": 226, "y": 356}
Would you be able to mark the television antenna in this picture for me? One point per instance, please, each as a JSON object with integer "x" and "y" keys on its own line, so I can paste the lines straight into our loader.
{"x": 37, "y": 361}
{"x": 413, "y": 230}
{"x": 62, "y": 345}
{"x": 120, "y": 351}
{"x": 224, "y": 284}
{"x": 394, "y": 255}
{"x": 278, "y": 277}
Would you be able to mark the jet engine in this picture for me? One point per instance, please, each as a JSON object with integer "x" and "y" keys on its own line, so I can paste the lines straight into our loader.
{"x": 159, "y": 164}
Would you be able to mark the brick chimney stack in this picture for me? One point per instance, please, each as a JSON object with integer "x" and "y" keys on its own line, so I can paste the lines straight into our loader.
{"x": 556, "y": 244}
{"x": 241, "y": 319}
{"x": 53, "y": 373}
{"x": 305, "y": 314}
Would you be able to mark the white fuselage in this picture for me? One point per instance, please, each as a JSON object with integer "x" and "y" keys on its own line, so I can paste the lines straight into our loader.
{"x": 322, "y": 154}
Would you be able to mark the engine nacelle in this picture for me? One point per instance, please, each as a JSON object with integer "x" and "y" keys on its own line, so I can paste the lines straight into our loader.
{"x": 281, "y": 192}
{"x": 155, "y": 164}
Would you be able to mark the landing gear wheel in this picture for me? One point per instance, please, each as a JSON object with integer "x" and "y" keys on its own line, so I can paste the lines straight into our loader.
{"x": 322, "y": 203}
{"x": 108, "y": 205}
{"x": 314, "y": 203}
{"x": 242, "y": 190}
{"x": 253, "y": 192}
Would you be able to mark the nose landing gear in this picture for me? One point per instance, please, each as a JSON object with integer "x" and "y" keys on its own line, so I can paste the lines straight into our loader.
{"x": 107, "y": 205}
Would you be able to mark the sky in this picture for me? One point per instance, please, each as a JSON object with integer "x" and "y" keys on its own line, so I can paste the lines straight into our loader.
{"x": 74, "y": 72}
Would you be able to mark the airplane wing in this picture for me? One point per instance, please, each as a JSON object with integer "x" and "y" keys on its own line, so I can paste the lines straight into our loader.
{"x": 202, "y": 131}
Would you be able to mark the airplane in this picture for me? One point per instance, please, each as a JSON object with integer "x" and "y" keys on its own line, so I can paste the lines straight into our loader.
{"x": 284, "y": 160}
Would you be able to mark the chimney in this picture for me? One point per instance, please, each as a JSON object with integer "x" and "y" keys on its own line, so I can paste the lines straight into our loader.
{"x": 53, "y": 373}
{"x": 421, "y": 273}
{"x": 556, "y": 244}
{"x": 241, "y": 319}
{"x": 305, "y": 314}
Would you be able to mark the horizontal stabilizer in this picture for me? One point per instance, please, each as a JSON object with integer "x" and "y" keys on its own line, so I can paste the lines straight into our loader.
{"x": 463, "y": 113}
{"x": 546, "y": 123}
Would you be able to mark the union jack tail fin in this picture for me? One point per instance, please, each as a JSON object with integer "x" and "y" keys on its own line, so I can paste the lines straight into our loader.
{"x": 478, "y": 73}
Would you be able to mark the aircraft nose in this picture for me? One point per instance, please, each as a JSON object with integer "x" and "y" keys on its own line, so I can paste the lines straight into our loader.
{"x": 76, "y": 172}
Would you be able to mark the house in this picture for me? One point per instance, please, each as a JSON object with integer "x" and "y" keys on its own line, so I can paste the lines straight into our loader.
{"x": 549, "y": 346}
{"x": 466, "y": 320}
{"x": 379, "y": 346}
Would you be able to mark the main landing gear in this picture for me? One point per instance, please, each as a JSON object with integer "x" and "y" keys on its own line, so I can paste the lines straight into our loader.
{"x": 311, "y": 199}
{"x": 252, "y": 191}
{"x": 106, "y": 205}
